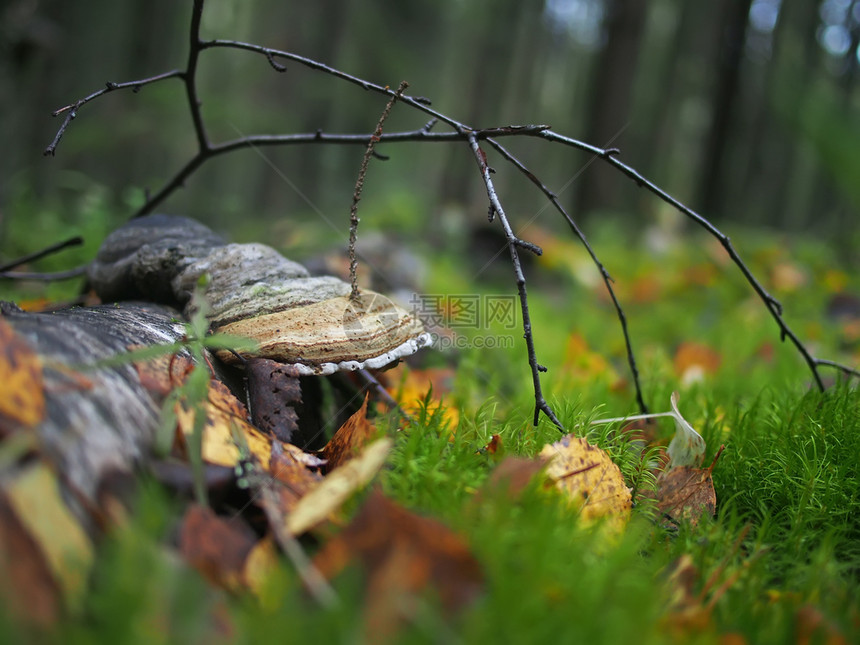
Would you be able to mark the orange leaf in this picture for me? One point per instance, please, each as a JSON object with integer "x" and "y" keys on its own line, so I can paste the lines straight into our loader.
{"x": 27, "y": 587}
{"x": 582, "y": 364}
{"x": 291, "y": 471}
{"x": 350, "y": 438}
{"x": 693, "y": 361}
{"x": 23, "y": 400}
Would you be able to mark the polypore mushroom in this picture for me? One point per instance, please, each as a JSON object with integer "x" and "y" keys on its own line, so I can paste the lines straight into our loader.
{"x": 308, "y": 322}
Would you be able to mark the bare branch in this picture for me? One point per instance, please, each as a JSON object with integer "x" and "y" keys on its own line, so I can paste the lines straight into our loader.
{"x": 38, "y": 255}
{"x": 513, "y": 242}
{"x": 73, "y": 108}
{"x": 44, "y": 277}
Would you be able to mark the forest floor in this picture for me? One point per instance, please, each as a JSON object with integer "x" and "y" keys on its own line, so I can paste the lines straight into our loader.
{"x": 510, "y": 558}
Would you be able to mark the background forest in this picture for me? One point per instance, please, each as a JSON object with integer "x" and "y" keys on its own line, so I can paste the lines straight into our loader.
{"x": 743, "y": 109}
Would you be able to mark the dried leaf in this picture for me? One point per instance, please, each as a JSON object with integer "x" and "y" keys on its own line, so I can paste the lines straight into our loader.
{"x": 35, "y": 498}
{"x": 814, "y": 627}
{"x": 404, "y": 554}
{"x": 687, "y": 613}
{"x": 590, "y": 480}
{"x": 160, "y": 374}
{"x": 224, "y": 412}
{"x": 687, "y": 446}
{"x": 337, "y": 487}
{"x": 293, "y": 475}
{"x": 216, "y": 547}
{"x": 350, "y": 438}
{"x": 686, "y": 493}
{"x": 23, "y": 400}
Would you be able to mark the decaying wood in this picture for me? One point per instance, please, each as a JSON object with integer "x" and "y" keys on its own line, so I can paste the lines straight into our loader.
{"x": 98, "y": 421}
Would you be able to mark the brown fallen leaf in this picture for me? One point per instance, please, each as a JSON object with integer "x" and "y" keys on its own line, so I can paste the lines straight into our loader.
{"x": 404, "y": 554}
{"x": 814, "y": 627}
{"x": 349, "y": 439}
{"x": 495, "y": 446}
{"x": 590, "y": 480}
{"x": 218, "y": 548}
{"x": 686, "y": 493}
{"x": 512, "y": 475}
{"x": 23, "y": 400}
{"x": 160, "y": 374}
{"x": 293, "y": 476}
{"x": 690, "y": 613}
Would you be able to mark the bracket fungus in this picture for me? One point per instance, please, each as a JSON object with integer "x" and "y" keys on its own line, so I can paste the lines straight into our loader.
{"x": 308, "y": 322}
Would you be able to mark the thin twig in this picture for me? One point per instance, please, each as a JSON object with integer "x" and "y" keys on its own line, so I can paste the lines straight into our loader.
{"x": 44, "y": 277}
{"x": 513, "y": 242}
{"x": 38, "y": 255}
{"x": 607, "y": 279}
{"x": 371, "y": 382}
{"x": 72, "y": 109}
{"x": 359, "y": 186}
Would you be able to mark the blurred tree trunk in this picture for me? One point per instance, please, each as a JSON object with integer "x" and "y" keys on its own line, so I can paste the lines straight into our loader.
{"x": 729, "y": 59}
{"x": 611, "y": 92}
{"x": 799, "y": 57}
{"x": 480, "y": 58}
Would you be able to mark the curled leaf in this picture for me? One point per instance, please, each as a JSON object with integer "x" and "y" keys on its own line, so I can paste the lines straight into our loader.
{"x": 687, "y": 446}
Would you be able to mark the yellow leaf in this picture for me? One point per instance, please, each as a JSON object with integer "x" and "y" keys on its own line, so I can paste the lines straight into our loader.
{"x": 258, "y": 568}
{"x": 590, "y": 480}
{"x": 336, "y": 488}
{"x": 414, "y": 388}
{"x": 35, "y": 498}
{"x": 223, "y": 413}
{"x": 23, "y": 400}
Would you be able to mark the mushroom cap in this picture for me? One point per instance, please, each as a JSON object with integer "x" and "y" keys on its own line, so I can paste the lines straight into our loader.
{"x": 333, "y": 334}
